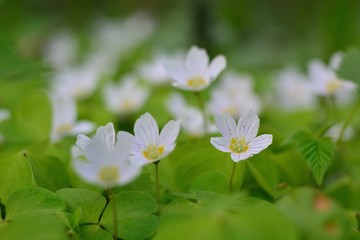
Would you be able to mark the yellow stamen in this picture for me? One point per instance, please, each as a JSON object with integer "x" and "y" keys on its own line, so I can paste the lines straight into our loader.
{"x": 333, "y": 85}
{"x": 127, "y": 105}
{"x": 238, "y": 145}
{"x": 196, "y": 82}
{"x": 109, "y": 174}
{"x": 153, "y": 152}
{"x": 63, "y": 128}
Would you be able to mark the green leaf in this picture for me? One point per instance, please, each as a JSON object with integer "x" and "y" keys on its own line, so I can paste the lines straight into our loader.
{"x": 225, "y": 217}
{"x": 48, "y": 171}
{"x": 91, "y": 203}
{"x": 134, "y": 212}
{"x": 32, "y": 199}
{"x": 318, "y": 153}
{"x": 34, "y": 226}
{"x": 265, "y": 173}
{"x": 349, "y": 67}
{"x": 210, "y": 182}
{"x": 15, "y": 172}
{"x": 94, "y": 232}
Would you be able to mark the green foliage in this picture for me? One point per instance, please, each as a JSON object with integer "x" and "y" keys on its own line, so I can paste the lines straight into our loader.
{"x": 227, "y": 217}
{"x": 94, "y": 232}
{"x": 316, "y": 216}
{"x": 135, "y": 210}
{"x": 318, "y": 153}
{"x": 91, "y": 203}
{"x": 349, "y": 67}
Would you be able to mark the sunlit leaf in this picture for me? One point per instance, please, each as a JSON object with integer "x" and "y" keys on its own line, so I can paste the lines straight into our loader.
{"x": 135, "y": 211}
{"x": 91, "y": 203}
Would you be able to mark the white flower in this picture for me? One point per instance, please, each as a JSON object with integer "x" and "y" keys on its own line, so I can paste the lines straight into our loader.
{"x": 64, "y": 116}
{"x": 150, "y": 146}
{"x": 125, "y": 97}
{"x": 154, "y": 71}
{"x": 4, "y": 114}
{"x": 191, "y": 118}
{"x": 334, "y": 132}
{"x": 195, "y": 74}
{"x": 76, "y": 82}
{"x": 240, "y": 140}
{"x": 326, "y": 83}
{"x": 107, "y": 163}
{"x": 234, "y": 96}
{"x": 294, "y": 90}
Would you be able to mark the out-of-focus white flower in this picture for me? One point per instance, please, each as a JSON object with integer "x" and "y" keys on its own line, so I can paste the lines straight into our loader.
{"x": 293, "y": 90}
{"x": 191, "y": 118}
{"x": 195, "y": 74}
{"x": 61, "y": 49}
{"x": 4, "y": 115}
{"x": 240, "y": 140}
{"x": 125, "y": 97}
{"x": 334, "y": 132}
{"x": 234, "y": 96}
{"x": 148, "y": 145}
{"x": 102, "y": 161}
{"x": 76, "y": 82}
{"x": 64, "y": 114}
{"x": 326, "y": 83}
{"x": 154, "y": 71}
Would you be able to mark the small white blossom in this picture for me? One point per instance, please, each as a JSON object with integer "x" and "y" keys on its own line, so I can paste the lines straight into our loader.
{"x": 240, "y": 140}
{"x": 148, "y": 145}
{"x": 154, "y": 71}
{"x": 326, "y": 83}
{"x": 64, "y": 114}
{"x": 293, "y": 90}
{"x": 106, "y": 162}
{"x": 125, "y": 97}
{"x": 234, "y": 96}
{"x": 191, "y": 118}
{"x": 77, "y": 82}
{"x": 334, "y": 132}
{"x": 195, "y": 74}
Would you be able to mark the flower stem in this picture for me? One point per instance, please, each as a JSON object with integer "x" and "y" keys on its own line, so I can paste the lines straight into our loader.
{"x": 348, "y": 120}
{"x": 157, "y": 187}
{"x": 232, "y": 176}
{"x": 114, "y": 213}
{"x": 202, "y": 107}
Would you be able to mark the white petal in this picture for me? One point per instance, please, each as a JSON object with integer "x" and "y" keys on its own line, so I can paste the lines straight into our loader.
{"x": 146, "y": 130}
{"x": 248, "y": 125}
{"x": 87, "y": 171}
{"x": 106, "y": 135}
{"x": 260, "y": 143}
{"x": 236, "y": 157}
{"x": 217, "y": 65}
{"x": 196, "y": 61}
{"x": 83, "y": 141}
{"x": 226, "y": 125}
{"x": 176, "y": 72}
{"x": 128, "y": 174}
{"x": 221, "y": 144}
{"x": 123, "y": 145}
{"x": 83, "y": 127}
{"x": 169, "y": 133}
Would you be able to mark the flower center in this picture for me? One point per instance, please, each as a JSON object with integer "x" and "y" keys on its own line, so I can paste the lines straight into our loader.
{"x": 333, "y": 85}
{"x": 238, "y": 145}
{"x": 196, "y": 82}
{"x": 153, "y": 152}
{"x": 127, "y": 105}
{"x": 109, "y": 174}
{"x": 63, "y": 128}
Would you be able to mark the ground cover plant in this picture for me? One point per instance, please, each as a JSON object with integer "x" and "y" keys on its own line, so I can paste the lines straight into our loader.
{"x": 127, "y": 125}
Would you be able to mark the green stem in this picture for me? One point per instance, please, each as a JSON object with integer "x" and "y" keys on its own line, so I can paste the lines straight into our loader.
{"x": 202, "y": 107}
{"x": 157, "y": 187}
{"x": 232, "y": 176}
{"x": 114, "y": 213}
{"x": 348, "y": 120}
